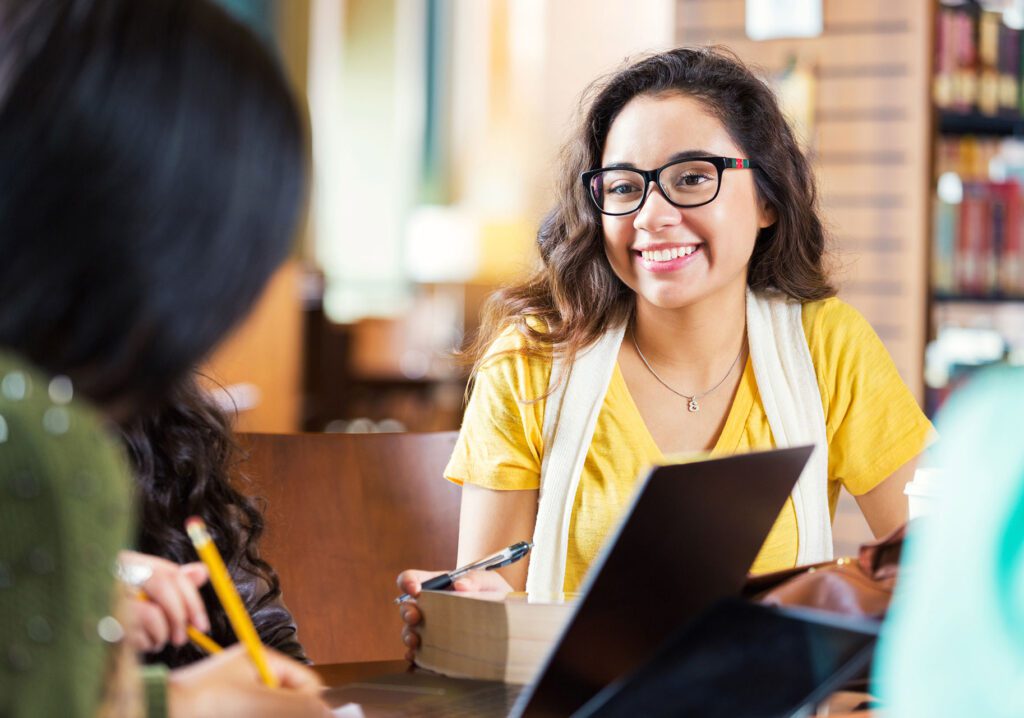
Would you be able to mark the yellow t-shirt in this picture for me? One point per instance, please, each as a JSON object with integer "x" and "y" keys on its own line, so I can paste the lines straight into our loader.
{"x": 872, "y": 422}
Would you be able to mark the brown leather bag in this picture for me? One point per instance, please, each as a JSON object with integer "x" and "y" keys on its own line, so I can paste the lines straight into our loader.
{"x": 860, "y": 586}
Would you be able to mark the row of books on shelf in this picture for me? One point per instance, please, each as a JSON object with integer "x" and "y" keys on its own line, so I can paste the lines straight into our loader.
{"x": 978, "y": 247}
{"x": 969, "y": 156}
{"x": 978, "y": 63}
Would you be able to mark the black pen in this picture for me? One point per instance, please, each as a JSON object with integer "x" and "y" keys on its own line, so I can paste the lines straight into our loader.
{"x": 503, "y": 558}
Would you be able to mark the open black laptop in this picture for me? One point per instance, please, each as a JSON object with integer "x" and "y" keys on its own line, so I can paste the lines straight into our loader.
{"x": 687, "y": 542}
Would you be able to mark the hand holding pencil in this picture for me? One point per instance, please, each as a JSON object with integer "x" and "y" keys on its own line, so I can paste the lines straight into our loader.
{"x": 246, "y": 679}
{"x": 225, "y": 685}
{"x": 167, "y": 607}
{"x": 198, "y": 638}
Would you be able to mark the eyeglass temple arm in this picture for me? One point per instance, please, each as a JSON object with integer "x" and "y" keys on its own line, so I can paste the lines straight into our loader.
{"x": 738, "y": 163}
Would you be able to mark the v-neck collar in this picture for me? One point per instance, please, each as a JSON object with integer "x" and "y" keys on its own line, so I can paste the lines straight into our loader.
{"x": 728, "y": 441}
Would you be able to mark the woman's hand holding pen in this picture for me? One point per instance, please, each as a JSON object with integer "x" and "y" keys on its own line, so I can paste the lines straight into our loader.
{"x": 410, "y": 582}
{"x": 228, "y": 685}
{"x": 173, "y": 601}
{"x": 479, "y": 575}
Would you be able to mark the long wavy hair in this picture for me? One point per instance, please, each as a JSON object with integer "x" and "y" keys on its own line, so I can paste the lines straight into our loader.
{"x": 573, "y": 298}
{"x": 185, "y": 462}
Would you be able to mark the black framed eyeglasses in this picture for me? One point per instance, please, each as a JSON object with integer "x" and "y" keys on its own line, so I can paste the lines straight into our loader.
{"x": 690, "y": 182}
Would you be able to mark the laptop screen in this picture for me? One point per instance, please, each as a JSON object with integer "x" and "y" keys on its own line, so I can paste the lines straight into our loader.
{"x": 744, "y": 659}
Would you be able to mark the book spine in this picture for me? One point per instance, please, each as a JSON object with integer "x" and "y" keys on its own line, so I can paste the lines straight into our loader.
{"x": 992, "y": 248}
{"x": 988, "y": 63}
{"x": 972, "y": 239}
{"x": 965, "y": 77}
{"x": 944, "y": 246}
{"x": 942, "y": 86}
{"x": 1010, "y": 262}
{"x": 1009, "y": 65}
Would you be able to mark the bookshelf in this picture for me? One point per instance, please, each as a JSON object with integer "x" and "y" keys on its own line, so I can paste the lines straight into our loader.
{"x": 976, "y": 253}
{"x": 950, "y": 298}
{"x": 974, "y": 123}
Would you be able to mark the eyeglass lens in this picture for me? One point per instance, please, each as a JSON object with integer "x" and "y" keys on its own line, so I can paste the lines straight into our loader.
{"x": 686, "y": 183}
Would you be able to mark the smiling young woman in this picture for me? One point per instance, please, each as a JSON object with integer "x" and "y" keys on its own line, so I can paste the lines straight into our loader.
{"x": 686, "y": 249}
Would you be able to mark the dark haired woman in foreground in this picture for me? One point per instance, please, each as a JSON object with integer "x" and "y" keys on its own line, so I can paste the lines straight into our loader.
{"x": 152, "y": 170}
{"x": 684, "y": 281}
{"x": 185, "y": 461}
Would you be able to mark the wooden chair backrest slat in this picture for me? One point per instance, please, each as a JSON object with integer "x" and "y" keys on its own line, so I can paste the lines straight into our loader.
{"x": 344, "y": 514}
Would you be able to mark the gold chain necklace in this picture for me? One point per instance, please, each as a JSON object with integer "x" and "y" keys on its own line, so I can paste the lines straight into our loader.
{"x": 691, "y": 399}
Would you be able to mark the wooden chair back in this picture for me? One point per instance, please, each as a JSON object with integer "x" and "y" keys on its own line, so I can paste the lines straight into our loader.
{"x": 345, "y": 513}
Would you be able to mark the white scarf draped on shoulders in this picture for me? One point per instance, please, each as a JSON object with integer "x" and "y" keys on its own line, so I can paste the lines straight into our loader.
{"x": 786, "y": 382}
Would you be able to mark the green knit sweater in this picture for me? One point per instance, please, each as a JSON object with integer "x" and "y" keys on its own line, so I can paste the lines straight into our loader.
{"x": 64, "y": 513}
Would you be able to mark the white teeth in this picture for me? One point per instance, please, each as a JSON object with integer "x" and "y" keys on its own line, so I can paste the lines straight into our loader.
{"x": 665, "y": 255}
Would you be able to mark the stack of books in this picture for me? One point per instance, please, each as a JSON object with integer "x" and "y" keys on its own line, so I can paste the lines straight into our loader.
{"x": 977, "y": 61}
{"x": 978, "y": 247}
{"x": 978, "y": 250}
{"x": 488, "y": 636}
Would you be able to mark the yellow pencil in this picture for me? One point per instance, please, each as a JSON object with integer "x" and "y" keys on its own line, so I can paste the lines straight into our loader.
{"x": 229, "y": 598}
{"x": 203, "y": 641}
{"x": 195, "y": 635}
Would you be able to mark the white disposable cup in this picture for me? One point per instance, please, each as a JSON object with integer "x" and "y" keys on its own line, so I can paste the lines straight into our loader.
{"x": 923, "y": 492}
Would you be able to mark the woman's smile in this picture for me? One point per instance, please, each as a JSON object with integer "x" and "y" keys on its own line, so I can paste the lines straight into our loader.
{"x": 667, "y": 258}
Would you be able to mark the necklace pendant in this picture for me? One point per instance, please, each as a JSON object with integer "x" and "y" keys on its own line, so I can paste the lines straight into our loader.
{"x": 694, "y": 406}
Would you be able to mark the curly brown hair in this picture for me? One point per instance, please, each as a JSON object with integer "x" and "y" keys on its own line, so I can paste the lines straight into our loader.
{"x": 185, "y": 462}
{"x": 568, "y": 303}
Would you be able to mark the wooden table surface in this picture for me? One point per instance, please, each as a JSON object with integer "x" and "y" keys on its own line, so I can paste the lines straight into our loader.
{"x": 339, "y": 674}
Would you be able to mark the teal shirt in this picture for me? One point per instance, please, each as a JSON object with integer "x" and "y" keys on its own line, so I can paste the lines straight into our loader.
{"x": 954, "y": 641}
{"x": 64, "y": 513}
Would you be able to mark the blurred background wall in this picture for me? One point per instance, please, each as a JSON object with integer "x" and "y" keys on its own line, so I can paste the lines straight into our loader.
{"x": 437, "y": 124}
